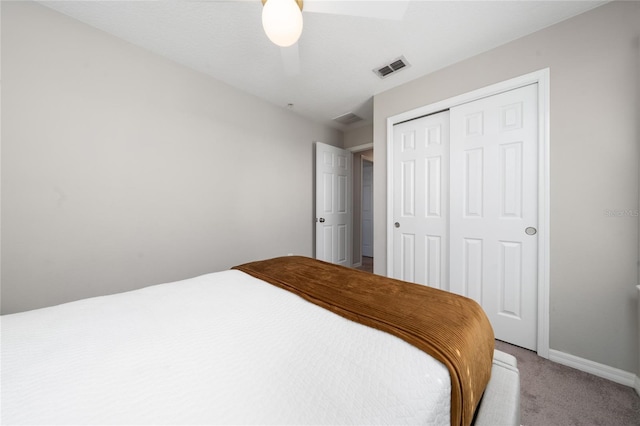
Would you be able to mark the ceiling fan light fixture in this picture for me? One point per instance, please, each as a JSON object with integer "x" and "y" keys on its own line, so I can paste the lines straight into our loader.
{"x": 282, "y": 21}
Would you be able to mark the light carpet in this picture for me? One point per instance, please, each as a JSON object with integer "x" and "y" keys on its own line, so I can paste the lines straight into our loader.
{"x": 552, "y": 394}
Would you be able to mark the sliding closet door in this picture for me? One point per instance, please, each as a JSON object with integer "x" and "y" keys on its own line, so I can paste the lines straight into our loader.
{"x": 420, "y": 206}
{"x": 465, "y": 206}
{"x": 494, "y": 208}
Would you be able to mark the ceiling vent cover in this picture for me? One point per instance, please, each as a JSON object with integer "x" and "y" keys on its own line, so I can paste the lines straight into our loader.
{"x": 393, "y": 67}
{"x": 348, "y": 118}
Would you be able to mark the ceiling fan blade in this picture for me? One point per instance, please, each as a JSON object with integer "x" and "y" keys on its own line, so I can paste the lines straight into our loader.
{"x": 291, "y": 59}
{"x": 392, "y": 9}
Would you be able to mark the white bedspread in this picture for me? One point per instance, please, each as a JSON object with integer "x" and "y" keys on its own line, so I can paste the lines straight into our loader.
{"x": 223, "y": 348}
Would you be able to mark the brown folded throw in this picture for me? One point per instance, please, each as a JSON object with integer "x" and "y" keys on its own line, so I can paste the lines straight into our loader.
{"x": 451, "y": 328}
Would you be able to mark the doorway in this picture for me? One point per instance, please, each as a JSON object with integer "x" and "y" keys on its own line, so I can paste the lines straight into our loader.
{"x": 362, "y": 157}
{"x": 367, "y": 214}
{"x": 367, "y": 207}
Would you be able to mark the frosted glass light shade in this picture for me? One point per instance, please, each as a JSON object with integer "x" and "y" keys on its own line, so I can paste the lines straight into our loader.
{"x": 282, "y": 21}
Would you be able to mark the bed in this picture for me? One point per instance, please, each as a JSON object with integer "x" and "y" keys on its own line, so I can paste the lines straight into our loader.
{"x": 289, "y": 340}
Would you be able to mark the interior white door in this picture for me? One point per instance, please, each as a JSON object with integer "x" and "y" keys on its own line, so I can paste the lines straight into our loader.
{"x": 333, "y": 204}
{"x": 420, "y": 205}
{"x": 494, "y": 209}
{"x": 367, "y": 208}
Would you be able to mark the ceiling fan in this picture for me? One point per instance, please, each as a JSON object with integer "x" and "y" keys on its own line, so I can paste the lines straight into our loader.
{"x": 283, "y": 22}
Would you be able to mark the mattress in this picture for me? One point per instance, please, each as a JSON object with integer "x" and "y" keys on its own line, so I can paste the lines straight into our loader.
{"x": 453, "y": 329}
{"x": 223, "y": 348}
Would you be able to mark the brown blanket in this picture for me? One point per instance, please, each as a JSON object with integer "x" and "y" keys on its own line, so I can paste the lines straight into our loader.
{"x": 451, "y": 328}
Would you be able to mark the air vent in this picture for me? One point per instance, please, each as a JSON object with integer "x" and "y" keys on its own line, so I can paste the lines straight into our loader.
{"x": 348, "y": 118}
{"x": 395, "y": 66}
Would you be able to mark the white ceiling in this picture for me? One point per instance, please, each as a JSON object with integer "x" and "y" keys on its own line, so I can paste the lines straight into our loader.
{"x": 337, "y": 53}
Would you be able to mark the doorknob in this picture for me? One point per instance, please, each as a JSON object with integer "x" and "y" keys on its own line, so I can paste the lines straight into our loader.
{"x": 397, "y": 224}
{"x": 530, "y": 231}
{"x": 321, "y": 220}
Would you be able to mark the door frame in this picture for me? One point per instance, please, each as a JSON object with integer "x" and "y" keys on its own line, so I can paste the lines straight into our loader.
{"x": 542, "y": 78}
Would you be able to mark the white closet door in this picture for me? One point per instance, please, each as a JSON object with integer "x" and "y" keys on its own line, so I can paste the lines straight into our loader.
{"x": 494, "y": 208}
{"x": 420, "y": 206}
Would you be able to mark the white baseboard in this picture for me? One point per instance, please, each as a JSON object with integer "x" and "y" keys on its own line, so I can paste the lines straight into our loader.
{"x": 614, "y": 374}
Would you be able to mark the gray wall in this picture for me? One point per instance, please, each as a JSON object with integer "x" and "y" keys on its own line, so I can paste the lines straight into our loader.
{"x": 121, "y": 169}
{"x": 594, "y": 65}
{"x": 358, "y": 136}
